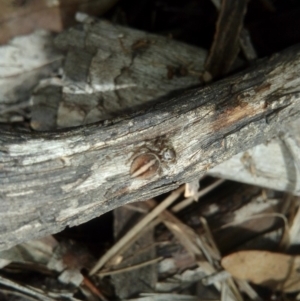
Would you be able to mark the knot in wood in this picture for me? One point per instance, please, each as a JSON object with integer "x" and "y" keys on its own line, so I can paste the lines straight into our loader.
{"x": 145, "y": 166}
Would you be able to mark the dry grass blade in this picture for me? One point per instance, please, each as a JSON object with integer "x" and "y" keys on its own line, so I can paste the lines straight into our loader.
{"x": 220, "y": 276}
{"x": 124, "y": 248}
{"x": 133, "y": 267}
{"x": 295, "y": 229}
{"x": 211, "y": 245}
{"x": 180, "y": 206}
{"x": 247, "y": 288}
{"x": 164, "y": 297}
{"x": 207, "y": 243}
{"x": 136, "y": 229}
{"x": 16, "y": 294}
{"x": 213, "y": 255}
{"x": 285, "y": 234}
{"x": 26, "y": 290}
{"x": 193, "y": 243}
{"x": 185, "y": 235}
{"x": 183, "y": 204}
{"x": 234, "y": 290}
{"x": 95, "y": 290}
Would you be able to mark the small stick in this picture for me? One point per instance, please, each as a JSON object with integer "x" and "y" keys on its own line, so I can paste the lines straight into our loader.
{"x": 133, "y": 267}
{"x": 136, "y": 229}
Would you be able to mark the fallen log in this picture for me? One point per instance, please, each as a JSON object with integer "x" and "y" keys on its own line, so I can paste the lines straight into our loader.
{"x": 56, "y": 179}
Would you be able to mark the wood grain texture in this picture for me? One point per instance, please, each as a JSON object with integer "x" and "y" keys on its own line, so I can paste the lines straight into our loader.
{"x": 78, "y": 100}
{"x": 275, "y": 164}
{"x": 111, "y": 70}
{"x": 225, "y": 47}
{"x": 52, "y": 180}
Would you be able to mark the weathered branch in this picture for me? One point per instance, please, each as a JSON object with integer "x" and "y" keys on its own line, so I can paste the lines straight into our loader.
{"x": 51, "y": 180}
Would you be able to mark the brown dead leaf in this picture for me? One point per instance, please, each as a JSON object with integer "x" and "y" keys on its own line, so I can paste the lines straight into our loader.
{"x": 276, "y": 271}
{"x": 21, "y": 17}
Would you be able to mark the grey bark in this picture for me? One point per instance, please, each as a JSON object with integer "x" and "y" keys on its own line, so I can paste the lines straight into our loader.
{"x": 111, "y": 70}
{"x": 52, "y": 180}
{"x": 24, "y": 61}
{"x": 57, "y": 103}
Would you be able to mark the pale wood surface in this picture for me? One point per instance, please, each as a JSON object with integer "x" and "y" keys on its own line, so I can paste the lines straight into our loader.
{"x": 51, "y": 180}
{"x": 275, "y": 164}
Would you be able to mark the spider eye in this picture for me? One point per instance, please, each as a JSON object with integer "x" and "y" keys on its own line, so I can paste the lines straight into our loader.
{"x": 169, "y": 154}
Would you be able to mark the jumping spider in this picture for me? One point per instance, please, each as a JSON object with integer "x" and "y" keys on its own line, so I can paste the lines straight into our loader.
{"x": 151, "y": 157}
